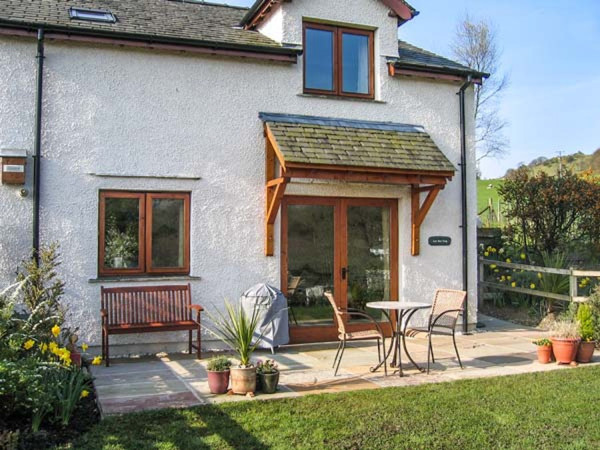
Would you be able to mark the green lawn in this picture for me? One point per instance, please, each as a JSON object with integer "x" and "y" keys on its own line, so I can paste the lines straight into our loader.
{"x": 488, "y": 190}
{"x": 558, "y": 409}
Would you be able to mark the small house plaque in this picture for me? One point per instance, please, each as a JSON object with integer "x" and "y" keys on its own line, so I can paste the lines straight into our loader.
{"x": 12, "y": 166}
{"x": 438, "y": 241}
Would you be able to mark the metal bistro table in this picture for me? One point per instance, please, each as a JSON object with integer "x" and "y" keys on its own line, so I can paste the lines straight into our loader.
{"x": 404, "y": 310}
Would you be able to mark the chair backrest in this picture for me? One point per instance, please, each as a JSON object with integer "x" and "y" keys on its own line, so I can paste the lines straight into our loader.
{"x": 293, "y": 285}
{"x": 338, "y": 313}
{"x": 446, "y": 300}
{"x": 146, "y": 304}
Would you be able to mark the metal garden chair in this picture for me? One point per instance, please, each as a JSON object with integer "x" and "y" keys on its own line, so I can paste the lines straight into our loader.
{"x": 345, "y": 336}
{"x": 448, "y": 304}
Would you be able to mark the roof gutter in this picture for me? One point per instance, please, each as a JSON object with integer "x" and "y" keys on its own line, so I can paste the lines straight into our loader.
{"x": 463, "y": 183}
{"x": 282, "y": 54}
{"x": 400, "y": 68}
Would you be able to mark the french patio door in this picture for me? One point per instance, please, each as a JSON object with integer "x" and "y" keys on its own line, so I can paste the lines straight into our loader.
{"x": 344, "y": 245}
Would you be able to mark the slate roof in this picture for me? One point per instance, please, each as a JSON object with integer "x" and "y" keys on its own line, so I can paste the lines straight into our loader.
{"x": 168, "y": 20}
{"x": 411, "y": 56}
{"x": 344, "y": 142}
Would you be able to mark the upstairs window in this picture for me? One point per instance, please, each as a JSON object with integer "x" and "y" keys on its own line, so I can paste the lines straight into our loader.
{"x": 144, "y": 233}
{"x": 338, "y": 61}
{"x": 92, "y": 15}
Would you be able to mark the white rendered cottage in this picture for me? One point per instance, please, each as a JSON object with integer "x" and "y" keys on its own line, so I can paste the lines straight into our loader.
{"x": 298, "y": 143}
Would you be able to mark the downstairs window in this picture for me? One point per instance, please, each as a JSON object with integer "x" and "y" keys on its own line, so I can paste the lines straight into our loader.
{"x": 144, "y": 233}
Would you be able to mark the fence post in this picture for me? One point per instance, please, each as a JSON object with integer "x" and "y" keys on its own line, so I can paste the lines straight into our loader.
{"x": 481, "y": 279}
{"x": 572, "y": 285}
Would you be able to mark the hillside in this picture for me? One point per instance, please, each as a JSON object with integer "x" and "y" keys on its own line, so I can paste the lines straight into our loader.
{"x": 487, "y": 190}
{"x": 577, "y": 162}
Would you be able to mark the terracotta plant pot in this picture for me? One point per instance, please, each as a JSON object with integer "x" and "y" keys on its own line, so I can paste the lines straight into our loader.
{"x": 585, "y": 353}
{"x": 268, "y": 382}
{"x": 76, "y": 358}
{"x": 218, "y": 382}
{"x": 565, "y": 350}
{"x": 544, "y": 354}
{"x": 243, "y": 380}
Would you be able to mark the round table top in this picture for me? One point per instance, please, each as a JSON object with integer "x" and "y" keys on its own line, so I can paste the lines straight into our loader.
{"x": 398, "y": 305}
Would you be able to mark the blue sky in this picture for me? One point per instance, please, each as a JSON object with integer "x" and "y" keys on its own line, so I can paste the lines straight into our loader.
{"x": 551, "y": 50}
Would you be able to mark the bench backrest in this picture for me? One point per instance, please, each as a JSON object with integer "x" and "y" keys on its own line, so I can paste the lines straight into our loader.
{"x": 146, "y": 304}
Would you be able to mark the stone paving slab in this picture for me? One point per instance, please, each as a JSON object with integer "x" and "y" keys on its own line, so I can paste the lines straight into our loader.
{"x": 179, "y": 380}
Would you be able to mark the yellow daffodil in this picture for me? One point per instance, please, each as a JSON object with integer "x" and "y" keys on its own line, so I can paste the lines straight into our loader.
{"x": 523, "y": 256}
{"x": 97, "y": 361}
{"x": 53, "y": 347}
{"x": 508, "y": 260}
{"x": 513, "y": 284}
{"x": 493, "y": 266}
{"x": 509, "y": 278}
{"x": 532, "y": 286}
{"x": 55, "y": 330}
{"x": 84, "y": 347}
{"x": 540, "y": 276}
{"x": 28, "y": 344}
{"x": 486, "y": 254}
{"x": 493, "y": 250}
{"x": 496, "y": 270}
{"x": 501, "y": 251}
{"x": 503, "y": 278}
{"x": 85, "y": 393}
{"x": 65, "y": 355}
{"x": 43, "y": 347}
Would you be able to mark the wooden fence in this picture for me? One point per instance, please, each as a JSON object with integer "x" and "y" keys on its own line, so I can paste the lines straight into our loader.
{"x": 573, "y": 275}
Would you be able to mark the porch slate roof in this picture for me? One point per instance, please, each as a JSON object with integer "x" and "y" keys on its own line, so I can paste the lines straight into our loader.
{"x": 199, "y": 23}
{"x": 345, "y": 142}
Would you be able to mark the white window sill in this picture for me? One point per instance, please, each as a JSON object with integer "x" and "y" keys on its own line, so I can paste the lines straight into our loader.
{"x": 339, "y": 97}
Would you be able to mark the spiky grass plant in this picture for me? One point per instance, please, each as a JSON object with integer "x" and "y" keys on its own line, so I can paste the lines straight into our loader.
{"x": 237, "y": 330}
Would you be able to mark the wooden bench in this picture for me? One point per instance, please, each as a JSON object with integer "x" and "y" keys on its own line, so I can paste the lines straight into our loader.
{"x": 148, "y": 309}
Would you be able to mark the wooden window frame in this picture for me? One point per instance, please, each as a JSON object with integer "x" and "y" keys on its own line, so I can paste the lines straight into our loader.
{"x": 338, "y": 67}
{"x": 144, "y": 234}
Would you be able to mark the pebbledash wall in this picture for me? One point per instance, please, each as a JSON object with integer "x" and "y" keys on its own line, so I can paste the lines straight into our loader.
{"x": 135, "y": 112}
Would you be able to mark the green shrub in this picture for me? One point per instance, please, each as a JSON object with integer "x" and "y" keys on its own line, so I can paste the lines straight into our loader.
{"x": 594, "y": 305}
{"x": 218, "y": 364}
{"x": 585, "y": 318}
{"x": 25, "y": 390}
{"x": 38, "y": 382}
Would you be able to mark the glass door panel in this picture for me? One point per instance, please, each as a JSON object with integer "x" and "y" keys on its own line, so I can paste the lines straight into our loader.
{"x": 369, "y": 256}
{"x": 311, "y": 254}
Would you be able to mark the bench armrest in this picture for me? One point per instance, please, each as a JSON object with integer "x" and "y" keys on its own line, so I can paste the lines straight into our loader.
{"x": 103, "y": 312}
{"x": 196, "y": 307}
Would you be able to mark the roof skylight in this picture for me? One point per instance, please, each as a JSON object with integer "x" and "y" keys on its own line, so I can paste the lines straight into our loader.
{"x": 92, "y": 15}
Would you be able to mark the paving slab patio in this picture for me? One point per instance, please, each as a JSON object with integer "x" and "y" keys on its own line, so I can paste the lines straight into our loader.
{"x": 179, "y": 380}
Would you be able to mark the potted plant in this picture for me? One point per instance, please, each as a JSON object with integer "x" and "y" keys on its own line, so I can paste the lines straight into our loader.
{"x": 236, "y": 329}
{"x": 218, "y": 374}
{"x": 565, "y": 340}
{"x": 268, "y": 376}
{"x": 544, "y": 350}
{"x": 586, "y": 329}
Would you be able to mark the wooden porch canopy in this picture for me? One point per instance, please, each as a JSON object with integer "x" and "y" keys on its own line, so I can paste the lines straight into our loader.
{"x": 353, "y": 151}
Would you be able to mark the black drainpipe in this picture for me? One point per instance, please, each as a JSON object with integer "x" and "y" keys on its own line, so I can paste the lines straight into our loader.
{"x": 463, "y": 179}
{"x": 38, "y": 145}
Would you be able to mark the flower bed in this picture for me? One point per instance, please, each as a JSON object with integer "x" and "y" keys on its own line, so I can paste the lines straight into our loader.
{"x": 46, "y": 392}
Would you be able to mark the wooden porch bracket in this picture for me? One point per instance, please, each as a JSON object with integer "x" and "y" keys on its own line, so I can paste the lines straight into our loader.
{"x": 419, "y": 212}
{"x": 275, "y": 188}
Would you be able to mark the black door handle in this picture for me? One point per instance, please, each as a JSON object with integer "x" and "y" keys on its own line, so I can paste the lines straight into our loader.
{"x": 344, "y": 272}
